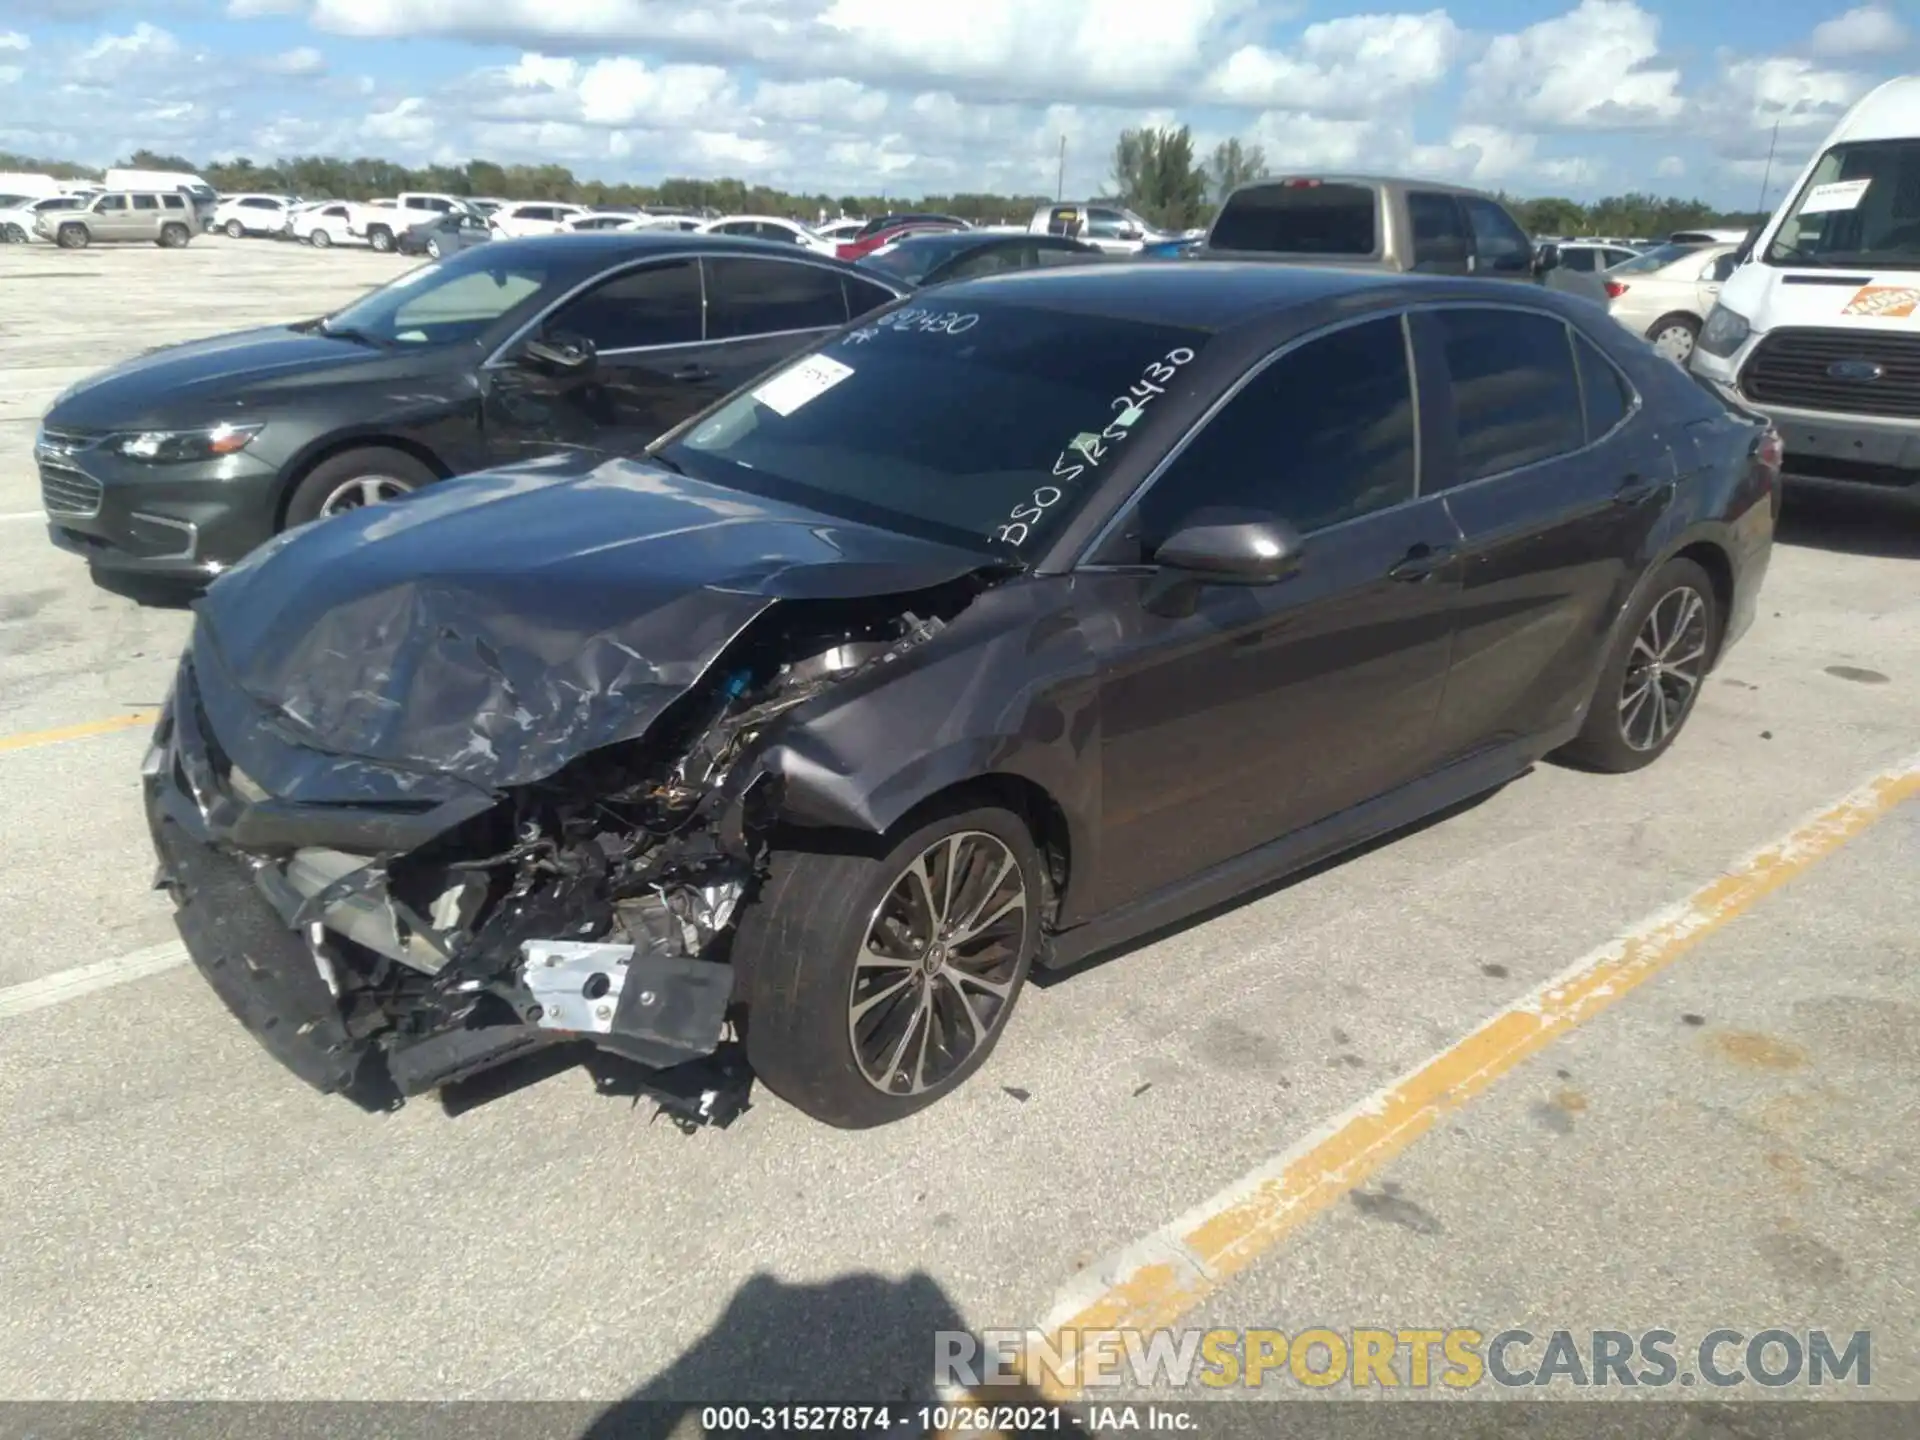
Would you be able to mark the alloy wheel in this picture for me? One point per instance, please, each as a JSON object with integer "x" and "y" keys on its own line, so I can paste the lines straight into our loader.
{"x": 361, "y": 491}
{"x": 1664, "y": 668}
{"x": 1675, "y": 342}
{"x": 935, "y": 976}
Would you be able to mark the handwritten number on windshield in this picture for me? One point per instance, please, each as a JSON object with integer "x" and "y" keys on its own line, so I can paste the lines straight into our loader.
{"x": 1088, "y": 449}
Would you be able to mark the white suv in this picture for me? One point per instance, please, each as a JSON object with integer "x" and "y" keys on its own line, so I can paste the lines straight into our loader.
{"x": 532, "y": 217}
{"x": 238, "y": 215}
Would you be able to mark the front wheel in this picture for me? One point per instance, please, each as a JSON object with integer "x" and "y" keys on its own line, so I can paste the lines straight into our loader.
{"x": 72, "y": 237}
{"x": 1653, "y": 675}
{"x": 353, "y": 480}
{"x": 878, "y": 982}
{"x": 433, "y": 249}
{"x": 1673, "y": 337}
{"x": 12, "y": 234}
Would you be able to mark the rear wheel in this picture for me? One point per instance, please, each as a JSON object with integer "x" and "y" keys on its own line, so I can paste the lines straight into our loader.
{"x": 1673, "y": 336}
{"x": 11, "y": 234}
{"x": 320, "y": 239}
{"x": 72, "y": 237}
{"x": 353, "y": 480}
{"x": 879, "y": 981}
{"x": 1653, "y": 675}
{"x": 173, "y": 236}
{"x": 433, "y": 248}
{"x": 235, "y": 229}
{"x": 380, "y": 238}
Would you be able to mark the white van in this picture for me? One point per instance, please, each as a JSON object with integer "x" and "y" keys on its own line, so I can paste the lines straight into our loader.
{"x": 198, "y": 191}
{"x": 29, "y": 185}
{"x": 1821, "y": 329}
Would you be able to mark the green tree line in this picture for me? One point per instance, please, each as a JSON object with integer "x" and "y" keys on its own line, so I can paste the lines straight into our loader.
{"x": 1155, "y": 171}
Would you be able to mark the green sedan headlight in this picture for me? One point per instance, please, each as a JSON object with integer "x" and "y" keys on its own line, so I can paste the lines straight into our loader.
{"x": 172, "y": 447}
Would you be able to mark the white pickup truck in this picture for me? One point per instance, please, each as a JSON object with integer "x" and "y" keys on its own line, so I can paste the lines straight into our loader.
{"x": 381, "y": 222}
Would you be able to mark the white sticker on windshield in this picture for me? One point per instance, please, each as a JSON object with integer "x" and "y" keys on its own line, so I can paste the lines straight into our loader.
{"x": 791, "y": 389}
{"x": 1839, "y": 195}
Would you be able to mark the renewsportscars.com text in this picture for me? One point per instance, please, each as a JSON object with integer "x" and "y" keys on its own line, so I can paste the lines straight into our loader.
{"x": 1457, "y": 1358}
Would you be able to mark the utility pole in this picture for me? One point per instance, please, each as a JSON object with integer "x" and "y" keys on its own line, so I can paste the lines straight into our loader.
{"x": 1060, "y": 180}
{"x": 1766, "y": 177}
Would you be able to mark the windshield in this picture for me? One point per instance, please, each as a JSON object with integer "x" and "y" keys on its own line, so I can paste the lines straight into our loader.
{"x": 1657, "y": 258}
{"x": 985, "y": 429}
{"x": 1861, "y": 206}
{"x": 912, "y": 258}
{"x": 445, "y": 302}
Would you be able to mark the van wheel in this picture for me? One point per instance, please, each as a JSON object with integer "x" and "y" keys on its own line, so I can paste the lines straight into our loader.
{"x": 1653, "y": 674}
{"x": 381, "y": 239}
{"x": 1673, "y": 337}
{"x": 73, "y": 237}
{"x": 354, "y": 479}
{"x": 880, "y": 978}
{"x": 173, "y": 237}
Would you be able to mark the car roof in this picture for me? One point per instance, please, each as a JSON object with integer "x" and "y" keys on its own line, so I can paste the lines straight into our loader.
{"x": 589, "y": 250}
{"x": 1218, "y": 294}
{"x": 1391, "y": 182}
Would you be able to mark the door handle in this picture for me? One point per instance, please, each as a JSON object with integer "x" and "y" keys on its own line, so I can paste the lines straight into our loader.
{"x": 693, "y": 373}
{"x": 1420, "y": 562}
{"x": 1634, "y": 491}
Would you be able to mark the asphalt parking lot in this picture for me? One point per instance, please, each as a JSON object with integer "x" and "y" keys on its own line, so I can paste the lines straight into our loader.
{"x": 1597, "y": 1052}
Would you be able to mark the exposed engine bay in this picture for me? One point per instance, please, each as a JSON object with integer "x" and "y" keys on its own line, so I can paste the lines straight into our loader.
{"x": 593, "y": 904}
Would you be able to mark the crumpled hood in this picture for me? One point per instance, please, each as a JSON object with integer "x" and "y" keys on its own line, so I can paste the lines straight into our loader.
{"x": 206, "y": 380}
{"x": 491, "y": 629}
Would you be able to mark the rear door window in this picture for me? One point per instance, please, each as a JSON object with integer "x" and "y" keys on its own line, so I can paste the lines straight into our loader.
{"x": 146, "y": 202}
{"x": 173, "y": 202}
{"x": 1439, "y": 231}
{"x": 863, "y": 295}
{"x": 1516, "y": 394}
{"x": 1604, "y": 395}
{"x": 768, "y": 297}
{"x": 1299, "y": 217}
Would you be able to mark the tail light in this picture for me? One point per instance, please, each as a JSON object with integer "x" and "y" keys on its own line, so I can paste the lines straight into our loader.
{"x": 1299, "y": 184}
{"x": 1615, "y": 289}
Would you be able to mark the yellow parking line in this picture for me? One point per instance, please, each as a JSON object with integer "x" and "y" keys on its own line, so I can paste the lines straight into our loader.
{"x": 33, "y": 738}
{"x": 1156, "y": 1281}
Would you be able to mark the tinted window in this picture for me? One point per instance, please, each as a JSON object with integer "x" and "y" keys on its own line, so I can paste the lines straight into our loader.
{"x": 1499, "y": 244}
{"x": 659, "y": 305}
{"x": 174, "y": 202}
{"x": 1106, "y": 224}
{"x": 146, "y": 202}
{"x": 1059, "y": 255}
{"x": 1579, "y": 259}
{"x": 891, "y": 427}
{"x": 862, "y": 297}
{"x": 112, "y": 202}
{"x": 765, "y": 297}
{"x": 1516, "y": 399}
{"x": 988, "y": 260}
{"x": 1439, "y": 232}
{"x": 1298, "y": 219}
{"x": 1603, "y": 394}
{"x": 1321, "y": 435}
{"x": 260, "y": 204}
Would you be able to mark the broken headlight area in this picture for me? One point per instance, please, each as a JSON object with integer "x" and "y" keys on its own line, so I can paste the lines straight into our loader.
{"x": 593, "y": 905}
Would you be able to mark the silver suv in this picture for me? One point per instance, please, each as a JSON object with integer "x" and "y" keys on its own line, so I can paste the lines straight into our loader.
{"x": 157, "y": 217}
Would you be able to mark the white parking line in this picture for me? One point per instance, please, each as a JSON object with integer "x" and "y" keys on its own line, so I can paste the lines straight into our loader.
{"x": 24, "y": 515}
{"x": 65, "y": 985}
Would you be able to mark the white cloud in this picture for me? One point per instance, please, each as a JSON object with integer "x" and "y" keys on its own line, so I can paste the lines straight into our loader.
{"x": 1594, "y": 68}
{"x": 14, "y": 40}
{"x": 302, "y": 60}
{"x": 112, "y": 58}
{"x": 1356, "y": 65}
{"x": 1867, "y": 30}
{"x": 1737, "y": 114}
{"x": 1671, "y": 167}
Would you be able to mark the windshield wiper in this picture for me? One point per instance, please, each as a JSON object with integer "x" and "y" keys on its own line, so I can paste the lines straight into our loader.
{"x": 349, "y": 332}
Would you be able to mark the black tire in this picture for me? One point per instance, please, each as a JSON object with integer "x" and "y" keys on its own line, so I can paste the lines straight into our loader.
{"x": 799, "y": 945}
{"x": 433, "y": 249}
{"x": 173, "y": 237}
{"x": 11, "y": 234}
{"x": 1679, "y": 323}
{"x": 72, "y": 237}
{"x": 1619, "y": 734}
{"x": 381, "y": 239}
{"x": 235, "y": 230}
{"x": 320, "y": 239}
{"x": 325, "y": 480}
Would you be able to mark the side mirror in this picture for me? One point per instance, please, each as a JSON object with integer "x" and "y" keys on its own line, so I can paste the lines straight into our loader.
{"x": 1545, "y": 259}
{"x": 1240, "y": 552}
{"x": 558, "y": 353}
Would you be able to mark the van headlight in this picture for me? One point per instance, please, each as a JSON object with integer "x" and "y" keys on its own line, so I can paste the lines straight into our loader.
{"x": 173, "y": 447}
{"x": 1724, "y": 333}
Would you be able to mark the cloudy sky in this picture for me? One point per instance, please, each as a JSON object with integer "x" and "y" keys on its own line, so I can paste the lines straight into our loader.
{"x": 1536, "y": 96}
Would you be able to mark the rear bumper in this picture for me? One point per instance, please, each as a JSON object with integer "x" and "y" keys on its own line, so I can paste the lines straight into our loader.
{"x": 1854, "y": 452}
